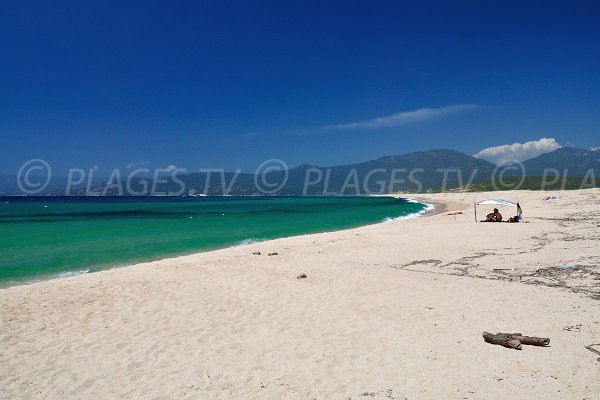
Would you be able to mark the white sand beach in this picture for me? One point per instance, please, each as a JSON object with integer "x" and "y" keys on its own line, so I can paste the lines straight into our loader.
{"x": 388, "y": 311}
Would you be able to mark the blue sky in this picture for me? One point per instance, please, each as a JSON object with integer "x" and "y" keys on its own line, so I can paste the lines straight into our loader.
{"x": 231, "y": 84}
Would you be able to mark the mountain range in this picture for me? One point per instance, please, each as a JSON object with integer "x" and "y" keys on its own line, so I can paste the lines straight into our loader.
{"x": 414, "y": 172}
{"x": 567, "y": 161}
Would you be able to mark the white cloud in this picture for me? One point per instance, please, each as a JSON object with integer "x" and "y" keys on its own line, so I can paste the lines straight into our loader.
{"x": 133, "y": 164}
{"x": 518, "y": 151}
{"x": 595, "y": 148}
{"x": 402, "y": 118}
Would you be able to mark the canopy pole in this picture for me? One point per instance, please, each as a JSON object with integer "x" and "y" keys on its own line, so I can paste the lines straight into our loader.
{"x": 475, "y": 208}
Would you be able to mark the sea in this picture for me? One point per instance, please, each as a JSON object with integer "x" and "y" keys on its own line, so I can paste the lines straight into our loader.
{"x": 52, "y": 237}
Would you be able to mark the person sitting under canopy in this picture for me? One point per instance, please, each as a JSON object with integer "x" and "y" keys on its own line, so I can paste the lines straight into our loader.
{"x": 493, "y": 217}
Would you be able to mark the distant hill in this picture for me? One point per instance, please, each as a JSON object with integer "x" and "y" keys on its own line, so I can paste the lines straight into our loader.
{"x": 9, "y": 185}
{"x": 418, "y": 171}
{"x": 567, "y": 160}
{"x": 432, "y": 170}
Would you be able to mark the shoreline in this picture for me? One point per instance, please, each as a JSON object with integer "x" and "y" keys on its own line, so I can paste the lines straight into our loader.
{"x": 438, "y": 208}
{"x": 390, "y": 309}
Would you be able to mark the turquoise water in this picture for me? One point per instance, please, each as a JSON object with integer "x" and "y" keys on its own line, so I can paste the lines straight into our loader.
{"x": 43, "y": 238}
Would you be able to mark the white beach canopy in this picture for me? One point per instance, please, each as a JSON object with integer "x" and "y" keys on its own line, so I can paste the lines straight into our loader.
{"x": 497, "y": 202}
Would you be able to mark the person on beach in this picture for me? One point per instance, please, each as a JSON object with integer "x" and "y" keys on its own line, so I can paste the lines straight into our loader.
{"x": 516, "y": 218}
{"x": 493, "y": 217}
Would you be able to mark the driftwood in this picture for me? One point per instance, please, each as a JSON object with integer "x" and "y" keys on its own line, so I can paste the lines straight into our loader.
{"x": 502, "y": 340}
{"x": 531, "y": 340}
{"x": 514, "y": 340}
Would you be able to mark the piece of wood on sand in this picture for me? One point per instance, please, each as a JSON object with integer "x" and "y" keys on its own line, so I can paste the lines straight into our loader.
{"x": 514, "y": 340}
{"x": 530, "y": 340}
{"x": 503, "y": 340}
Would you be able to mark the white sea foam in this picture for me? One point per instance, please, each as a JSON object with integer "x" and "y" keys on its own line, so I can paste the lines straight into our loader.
{"x": 67, "y": 274}
{"x": 428, "y": 207}
{"x": 247, "y": 242}
{"x": 409, "y": 200}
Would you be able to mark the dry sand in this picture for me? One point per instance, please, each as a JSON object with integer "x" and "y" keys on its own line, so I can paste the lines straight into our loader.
{"x": 392, "y": 310}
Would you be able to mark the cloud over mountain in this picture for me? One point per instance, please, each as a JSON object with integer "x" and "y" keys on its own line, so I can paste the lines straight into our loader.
{"x": 518, "y": 151}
